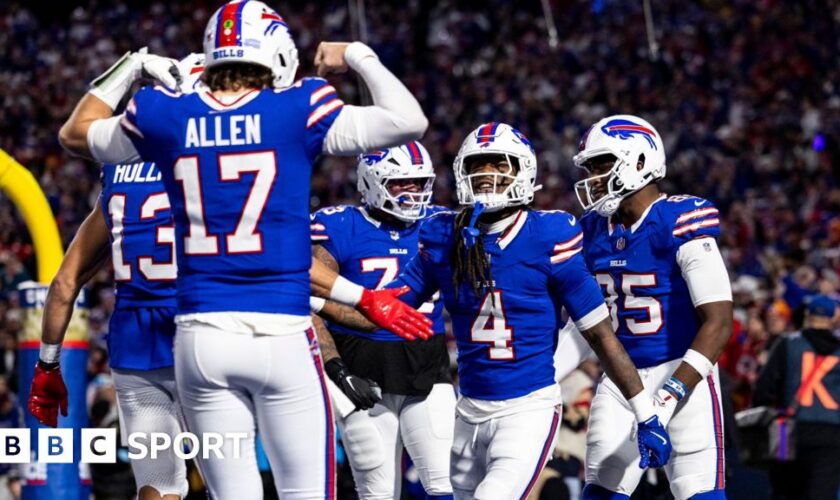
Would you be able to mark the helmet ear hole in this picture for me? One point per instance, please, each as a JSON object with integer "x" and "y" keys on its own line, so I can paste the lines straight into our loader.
{"x": 641, "y": 163}
{"x": 282, "y": 60}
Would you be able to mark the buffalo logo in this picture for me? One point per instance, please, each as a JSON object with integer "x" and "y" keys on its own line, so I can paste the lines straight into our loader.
{"x": 276, "y": 22}
{"x": 524, "y": 140}
{"x": 374, "y": 157}
{"x": 625, "y": 129}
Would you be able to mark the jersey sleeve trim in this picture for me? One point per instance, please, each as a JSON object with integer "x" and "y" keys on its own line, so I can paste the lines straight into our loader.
{"x": 694, "y": 220}
{"x": 592, "y": 318}
{"x": 567, "y": 249}
{"x": 318, "y": 232}
{"x": 330, "y": 108}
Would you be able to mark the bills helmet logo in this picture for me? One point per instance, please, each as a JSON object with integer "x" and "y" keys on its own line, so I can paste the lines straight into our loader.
{"x": 625, "y": 129}
{"x": 524, "y": 140}
{"x": 276, "y": 22}
{"x": 374, "y": 157}
{"x": 582, "y": 143}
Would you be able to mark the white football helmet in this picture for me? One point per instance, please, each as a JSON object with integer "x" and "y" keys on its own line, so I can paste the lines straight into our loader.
{"x": 629, "y": 139}
{"x": 375, "y": 170}
{"x": 250, "y": 31}
{"x": 191, "y": 68}
{"x": 497, "y": 139}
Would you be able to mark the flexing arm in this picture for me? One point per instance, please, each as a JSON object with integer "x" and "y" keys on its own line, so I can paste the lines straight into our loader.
{"x": 87, "y": 252}
{"x": 92, "y": 131}
{"x": 395, "y": 116}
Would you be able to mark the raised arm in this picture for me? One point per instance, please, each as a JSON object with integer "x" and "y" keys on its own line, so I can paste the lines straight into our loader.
{"x": 92, "y": 131}
{"x": 395, "y": 116}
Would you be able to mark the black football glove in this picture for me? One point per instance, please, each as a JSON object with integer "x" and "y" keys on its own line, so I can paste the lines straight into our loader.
{"x": 363, "y": 392}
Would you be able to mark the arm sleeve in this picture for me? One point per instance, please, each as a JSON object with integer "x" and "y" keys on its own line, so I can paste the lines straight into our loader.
{"x": 108, "y": 142}
{"x": 704, "y": 271}
{"x": 418, "y": 277}
{"x": 395, "y": 117}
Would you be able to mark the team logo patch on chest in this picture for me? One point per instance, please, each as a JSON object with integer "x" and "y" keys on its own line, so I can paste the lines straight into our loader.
{"x": 395, "y": 235}
{"x": 621, "y": 243}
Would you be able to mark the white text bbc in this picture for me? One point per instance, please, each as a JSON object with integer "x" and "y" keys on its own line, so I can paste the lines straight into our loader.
{"x": 99, "y": 446}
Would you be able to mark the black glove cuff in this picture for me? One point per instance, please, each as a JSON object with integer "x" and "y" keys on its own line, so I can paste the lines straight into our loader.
{"x": 47, "y": 366}
{"x": 336, "y": 369}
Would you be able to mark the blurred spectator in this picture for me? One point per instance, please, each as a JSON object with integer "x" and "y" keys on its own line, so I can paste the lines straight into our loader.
{"x": 802, "y": 375}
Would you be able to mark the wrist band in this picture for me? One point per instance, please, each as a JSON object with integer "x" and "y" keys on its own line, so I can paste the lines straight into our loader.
{"x": 676, "y": 388}
{"x": 698, "y": 362}
{"x": 50, "y": 353}
{"x": 642, "y": 406}
{"x": 316, "y": 304}
{"x": 346, "y": 292}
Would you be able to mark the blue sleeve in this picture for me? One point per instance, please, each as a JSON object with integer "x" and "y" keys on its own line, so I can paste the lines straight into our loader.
{"x": 324, "y": 233}
{"x": 418, "y": 276}
{"x": 569, "y": 277}
{"x": 322, "y": 107}
{"x": 693, "y": 218}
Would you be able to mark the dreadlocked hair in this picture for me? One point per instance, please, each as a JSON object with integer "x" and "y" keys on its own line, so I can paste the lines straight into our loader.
{"x": 471, "y": 264}
{"x": 237, "y": 76}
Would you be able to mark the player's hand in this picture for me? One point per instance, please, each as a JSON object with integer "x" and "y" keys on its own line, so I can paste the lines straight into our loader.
{"x": 654, "y": 443}
{"x": 162, "y": 69}
{"x": 363, "y": 392}
{"x": 112, "y": 85}
{"x": 664, "y": 404}
{"x": 329, "y": 58}
{"x": 48, "y": 395}
{"x": 384, "y": 308}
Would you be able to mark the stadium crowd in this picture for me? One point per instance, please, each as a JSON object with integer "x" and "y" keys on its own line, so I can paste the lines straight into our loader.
{"x": 745, "y": 93}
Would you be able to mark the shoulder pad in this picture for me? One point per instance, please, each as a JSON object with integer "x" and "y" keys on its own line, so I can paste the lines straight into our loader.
{"x": 561, "y": 232}
{"x": 438, "y": 227}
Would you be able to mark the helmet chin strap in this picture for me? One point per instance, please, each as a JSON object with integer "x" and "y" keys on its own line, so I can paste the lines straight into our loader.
{"x": 470, "y": 233}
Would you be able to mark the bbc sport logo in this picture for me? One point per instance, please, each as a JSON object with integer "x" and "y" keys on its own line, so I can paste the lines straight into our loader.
{"x": 99, "y": 446}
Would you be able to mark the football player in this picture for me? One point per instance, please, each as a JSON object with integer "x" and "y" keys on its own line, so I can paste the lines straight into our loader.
{"x": 236, "y": 161}
{"x": 505, "y": 273}
{"x": 368, "y": 245}
{"x": 132, "y": 223}
{"x": 667, "y": 289}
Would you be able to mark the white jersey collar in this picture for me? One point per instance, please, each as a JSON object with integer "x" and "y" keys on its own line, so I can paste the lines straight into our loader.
{"x": 227, "y": 103}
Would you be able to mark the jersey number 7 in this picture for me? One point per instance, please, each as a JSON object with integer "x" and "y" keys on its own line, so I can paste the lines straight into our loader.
{"x": 245, "y": 238}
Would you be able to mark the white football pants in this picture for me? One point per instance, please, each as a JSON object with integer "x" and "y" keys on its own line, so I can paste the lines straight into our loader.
{"x": 234, "y": 383}
{"x": 147, "y": 402}
{"x": 502, "y": 458}
{"x": 374, "y": 441}
{"x": 696, "y": 430}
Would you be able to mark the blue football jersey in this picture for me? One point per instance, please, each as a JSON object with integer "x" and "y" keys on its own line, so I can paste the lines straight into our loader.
{"x": 370, "y": 253}
{"x": 506, "y": 340}
{"x": 136, "y": 210}
{"x": 648, "y": 297}
{"x": 238, "y": 178}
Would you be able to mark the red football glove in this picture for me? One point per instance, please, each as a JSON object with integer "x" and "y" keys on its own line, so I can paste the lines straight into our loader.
{"x": 47, "y": 395}
{"x": 384, "y": 308}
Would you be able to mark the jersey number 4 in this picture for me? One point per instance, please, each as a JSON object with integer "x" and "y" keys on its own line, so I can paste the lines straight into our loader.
{"x": 245, "y": 238}
{"x": 651, "y": 306}
{"x": 490, "y": 327}
{"x": 151, "y": 270}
